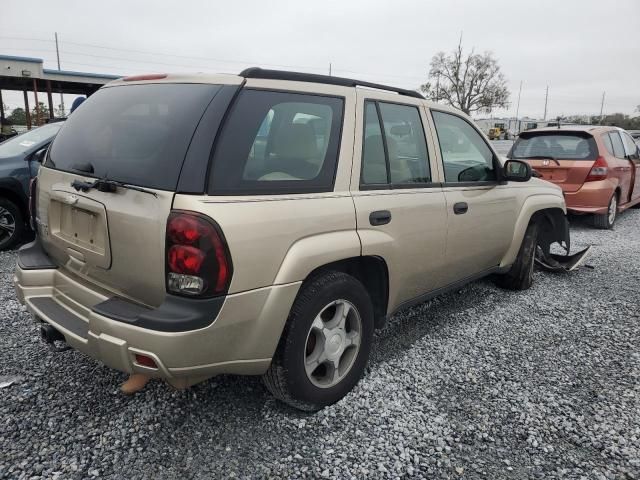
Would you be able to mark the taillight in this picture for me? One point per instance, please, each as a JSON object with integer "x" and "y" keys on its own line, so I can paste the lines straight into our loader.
{"x": 33, "y": 185}
{"x": 599, "y": 170}
{"x": 198, "y": 260}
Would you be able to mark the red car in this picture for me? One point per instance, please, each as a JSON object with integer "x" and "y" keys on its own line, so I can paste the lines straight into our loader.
{"x": 598, "y": 168}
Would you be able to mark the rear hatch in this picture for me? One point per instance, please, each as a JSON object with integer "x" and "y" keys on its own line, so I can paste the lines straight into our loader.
{"x": 135, "y": 138}
{"x": 562, "y": 157}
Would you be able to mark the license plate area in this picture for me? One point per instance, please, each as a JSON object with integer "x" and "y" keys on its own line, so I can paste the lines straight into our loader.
{"x": 79, "y": 225}
{"x": 553, "y": 174}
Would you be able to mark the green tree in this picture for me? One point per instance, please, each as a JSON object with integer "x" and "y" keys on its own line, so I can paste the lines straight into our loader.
{"x": 18, "y": 116}
{"x": 468, "y": 82}
{"x": 44, "y": 113}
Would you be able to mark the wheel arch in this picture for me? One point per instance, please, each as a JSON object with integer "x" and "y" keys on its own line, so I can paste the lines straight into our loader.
{"x": 550, "y": 212}
{"x": 372, "y": 272}
{"x": 7, "y": 191}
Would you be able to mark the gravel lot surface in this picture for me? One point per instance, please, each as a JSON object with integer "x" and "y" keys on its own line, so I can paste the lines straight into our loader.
{"x": 480, "y": 383}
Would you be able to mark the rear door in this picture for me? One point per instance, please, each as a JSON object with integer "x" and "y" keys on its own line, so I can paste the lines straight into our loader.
{"x": 400, "y": 209}
{"x": 481, "y": 212}
{"x": 620, "y": 166}
{"x": 633, "y": 154}
{"x": 561, "y": 157}
{"x": 135, "y": 134}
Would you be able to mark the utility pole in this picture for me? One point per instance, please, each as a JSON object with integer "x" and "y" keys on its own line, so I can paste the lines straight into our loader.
{"x": 546, "y": 98}
{"x": 518, "y": 107}
{"x": 58, "y": 56}
{"x": 329, "y": 68}
{"x": 437, "y": 87}
{"x": 602, "y": 107}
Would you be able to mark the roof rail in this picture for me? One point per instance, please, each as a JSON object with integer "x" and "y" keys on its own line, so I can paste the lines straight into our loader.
{"x": 256, "y": 72}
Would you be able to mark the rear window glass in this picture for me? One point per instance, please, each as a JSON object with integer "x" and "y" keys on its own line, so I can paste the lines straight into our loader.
{"x": 136, "y": 134}
{"x": 555, "y": 146}
{"x": 278, "y": 142}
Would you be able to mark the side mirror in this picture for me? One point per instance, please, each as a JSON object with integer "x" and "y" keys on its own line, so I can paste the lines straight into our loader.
{"x": 39, "y": 155}
{"x": 517, "y": 171}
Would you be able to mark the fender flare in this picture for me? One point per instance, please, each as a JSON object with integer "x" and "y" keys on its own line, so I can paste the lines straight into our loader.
{"x": 531, "y": 206}
{"x": 310, "y": 253}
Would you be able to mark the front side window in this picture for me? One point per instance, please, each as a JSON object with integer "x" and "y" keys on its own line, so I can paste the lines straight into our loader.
{"x": 465, "y": 155}
{"x": 278, "y": 142}
{"x": 618, "y": 147}
{"x": 394, "y": 147}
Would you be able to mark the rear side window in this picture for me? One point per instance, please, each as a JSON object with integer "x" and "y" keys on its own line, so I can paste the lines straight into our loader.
{"x": 618, "y": 147}
{"x": 607, "y": 143}
{"x": 278, "y": 143}
{"x": 394, "y": 146}
{"x": 136, "y": 134}
{"x": 555, "y": 145}
{"x": 629, "y": 145}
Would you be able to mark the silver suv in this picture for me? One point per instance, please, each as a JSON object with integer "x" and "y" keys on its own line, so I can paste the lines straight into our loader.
{"x": 266, "y": 224}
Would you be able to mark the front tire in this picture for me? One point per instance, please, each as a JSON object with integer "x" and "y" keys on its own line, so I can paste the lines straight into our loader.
{"x": 11, "y": 224}
{"x": 520, "y": 276}
{"x": 325, "y": 345}
{"x": 606, "y": 220}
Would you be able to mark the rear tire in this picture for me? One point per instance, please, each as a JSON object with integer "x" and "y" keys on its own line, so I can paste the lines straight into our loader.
{"x": 298, "y": 375}
{"x": 605, "y": 221}
{"x": 11, "y": 224}
{"x": 520, "y": 276}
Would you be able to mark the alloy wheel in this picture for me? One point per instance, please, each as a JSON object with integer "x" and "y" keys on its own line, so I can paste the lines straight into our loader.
{"x": 613, "y": 209}
{"x": 333, "y": 343}
{"x": 7, "y": 224}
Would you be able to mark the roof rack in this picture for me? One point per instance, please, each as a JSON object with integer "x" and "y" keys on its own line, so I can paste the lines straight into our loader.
{"x": 256, "y": 72}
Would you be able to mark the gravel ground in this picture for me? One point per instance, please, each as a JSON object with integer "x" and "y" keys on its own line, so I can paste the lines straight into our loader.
{"x": 480, "y": 383}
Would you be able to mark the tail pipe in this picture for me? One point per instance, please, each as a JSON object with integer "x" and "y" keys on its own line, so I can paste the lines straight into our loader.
{"x": 50, "y": 335}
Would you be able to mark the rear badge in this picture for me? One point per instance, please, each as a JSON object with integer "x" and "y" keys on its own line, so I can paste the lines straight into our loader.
{"x": 545, "y": 163}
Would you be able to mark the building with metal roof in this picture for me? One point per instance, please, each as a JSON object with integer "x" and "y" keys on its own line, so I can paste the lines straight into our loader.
{"x": 28, "y": 74}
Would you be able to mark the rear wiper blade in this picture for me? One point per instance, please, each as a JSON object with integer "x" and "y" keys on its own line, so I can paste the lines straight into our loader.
{"x": 109, "y": 186}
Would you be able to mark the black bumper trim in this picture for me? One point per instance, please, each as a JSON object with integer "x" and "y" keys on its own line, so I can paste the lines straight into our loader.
{"x": 61, "y": 316}
{"x": 32, "y": 256}
{"x": 175, "y": 314}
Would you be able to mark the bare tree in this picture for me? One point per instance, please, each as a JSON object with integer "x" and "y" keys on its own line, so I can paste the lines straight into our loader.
{"x": 470, "y": 83}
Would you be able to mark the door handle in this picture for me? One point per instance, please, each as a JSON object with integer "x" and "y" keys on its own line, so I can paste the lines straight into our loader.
{"x": 460, "y": 208}
{"x": 379, "y": 217}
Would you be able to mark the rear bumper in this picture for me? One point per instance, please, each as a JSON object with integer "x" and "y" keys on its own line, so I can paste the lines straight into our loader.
{"x": 592, "y": 197}
{"x": 241, "y": 339}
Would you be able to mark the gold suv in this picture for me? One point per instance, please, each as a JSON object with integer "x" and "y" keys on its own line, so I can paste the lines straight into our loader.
{"x": 266, "y": 224}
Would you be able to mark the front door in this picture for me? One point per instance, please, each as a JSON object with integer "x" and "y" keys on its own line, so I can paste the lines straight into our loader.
{"x": 481, "y": 213}
{"x": 401, "y": 213}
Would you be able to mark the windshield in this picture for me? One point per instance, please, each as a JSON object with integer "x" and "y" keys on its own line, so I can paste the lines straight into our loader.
{"x": 558, "y": 146}
{"x": 27, "y": 141}
{"x": 134, "y": 134}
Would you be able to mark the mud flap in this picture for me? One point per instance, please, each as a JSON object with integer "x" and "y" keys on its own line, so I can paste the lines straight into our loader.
{"x": 561, "y": 263}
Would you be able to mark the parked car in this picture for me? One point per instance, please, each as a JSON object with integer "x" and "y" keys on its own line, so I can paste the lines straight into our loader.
{"x": 598, "y": 168}
{"x": 266, "y": 224}
{"x": 19, "y": 163}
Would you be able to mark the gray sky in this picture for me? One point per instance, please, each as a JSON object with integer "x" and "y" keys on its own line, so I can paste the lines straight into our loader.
{"x": 578, "y": 48}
